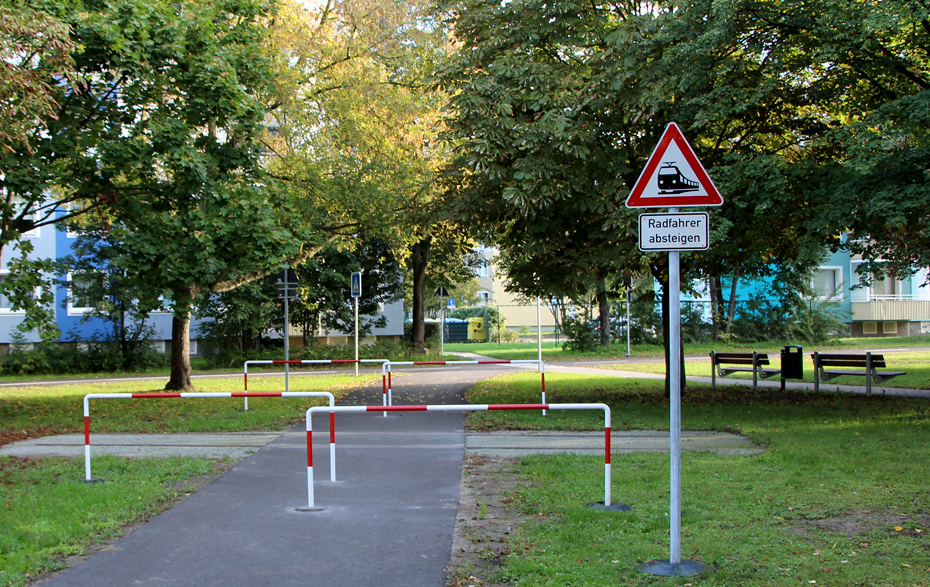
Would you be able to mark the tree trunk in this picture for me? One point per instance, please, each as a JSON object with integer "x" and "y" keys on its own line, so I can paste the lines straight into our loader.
{"x": 712, "y": 287}
{"x": 180, "y": 379}
{"x": 419, "y": 258}
{"x": 603, "y": 308}
{"x": 731, "y": 309}
{"x": 667, "y": 340}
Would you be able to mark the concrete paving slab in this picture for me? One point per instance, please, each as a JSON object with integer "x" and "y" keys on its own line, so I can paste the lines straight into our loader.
{"x": 206, "y": 445}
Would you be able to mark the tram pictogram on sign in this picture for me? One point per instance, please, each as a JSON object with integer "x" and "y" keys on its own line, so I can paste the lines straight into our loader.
{"x": 673, "y": 177}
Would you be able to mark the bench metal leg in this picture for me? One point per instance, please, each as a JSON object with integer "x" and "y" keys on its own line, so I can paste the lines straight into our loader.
{"x": 868, "y": 373}
{"x": 816, "y": 372}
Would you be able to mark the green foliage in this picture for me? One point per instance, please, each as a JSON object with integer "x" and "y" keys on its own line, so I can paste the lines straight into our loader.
{"x": 27, "y": 288}
{"x": 97, "y": 355}
{"x": 582, "y": 336}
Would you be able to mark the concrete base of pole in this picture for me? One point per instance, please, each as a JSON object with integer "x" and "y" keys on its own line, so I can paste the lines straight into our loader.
{"x": 308, "y": 509}
{"x": 92, "y": 480}
{"x": 665, "y": 568}
{"x": 612, "y": 507}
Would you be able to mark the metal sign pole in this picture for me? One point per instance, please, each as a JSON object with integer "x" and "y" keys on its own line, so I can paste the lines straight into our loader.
{"x": 355, "y": 288}
{"x": 674, "y": 373}
{"x": 287, "y": 338}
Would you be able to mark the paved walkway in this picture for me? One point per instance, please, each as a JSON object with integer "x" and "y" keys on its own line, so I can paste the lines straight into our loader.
{"x": 387, "y": 521}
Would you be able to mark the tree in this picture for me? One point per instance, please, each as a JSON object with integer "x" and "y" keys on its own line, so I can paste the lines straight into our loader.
{"x": 359, "y": 122}
{"x": 325, "y": 296}
{"x": 102, "y": 277}
{"x": 556, "y": 108}
{"x": 35, "y": 52}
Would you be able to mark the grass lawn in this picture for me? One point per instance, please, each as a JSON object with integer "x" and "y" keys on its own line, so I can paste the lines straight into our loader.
{"x": 47, "y": 513}
{"x": 916, "y": 365}
{"x": 59, "y": 408}
{"x": 553, "y": 352}
{"x": 839, "y": 497}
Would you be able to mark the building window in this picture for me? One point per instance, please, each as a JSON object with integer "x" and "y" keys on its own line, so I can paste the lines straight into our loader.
{"x": 886, "y": 287}
{"x": 870, "y": 328}
{"x": 84, "y": 292}
{"x": 484, "y": 296}
{"x": 484, "y": 268}
{"x": 889, "y": 327}
{"x": 6, "y": 304}
{"x": 827, "y": 282}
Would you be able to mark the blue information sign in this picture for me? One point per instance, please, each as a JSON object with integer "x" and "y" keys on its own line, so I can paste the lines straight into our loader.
{"x": 356, "y": 284}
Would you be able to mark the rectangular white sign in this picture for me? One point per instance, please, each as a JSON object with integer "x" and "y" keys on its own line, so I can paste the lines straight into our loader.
{"x": 674, "y": 232}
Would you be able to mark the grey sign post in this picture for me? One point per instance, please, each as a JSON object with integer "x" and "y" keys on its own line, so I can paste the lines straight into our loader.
{"x": 356, "y": 294}
{"x": 671, "y": 186}
{"x": 287, "y": 284}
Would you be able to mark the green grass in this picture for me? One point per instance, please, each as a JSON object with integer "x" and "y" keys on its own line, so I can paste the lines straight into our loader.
{"x": 59, "y": 408}
{"x": 551, "y": 352}
{"x": 916, "y": 365}
{"x": 839, "y": 497}
{"x": 47, "y": 513}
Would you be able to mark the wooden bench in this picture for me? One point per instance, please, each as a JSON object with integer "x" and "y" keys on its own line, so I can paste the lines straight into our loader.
{"x": 722, "y": 364}
{"x": 865, "y": 364}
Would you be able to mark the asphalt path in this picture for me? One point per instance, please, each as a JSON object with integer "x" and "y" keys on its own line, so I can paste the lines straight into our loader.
{"x": 386, "y": 521}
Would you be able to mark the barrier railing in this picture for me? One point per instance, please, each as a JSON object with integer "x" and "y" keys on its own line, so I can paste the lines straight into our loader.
{"x": 386, "y": 373}
{"x": 245, "y": 368}
{"x": 460, "y": 408}
{"x": 211, "y": 395}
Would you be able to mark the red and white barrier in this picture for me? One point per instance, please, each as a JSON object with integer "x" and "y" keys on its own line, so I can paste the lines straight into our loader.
{"x": 386, "y": 373}
{"x": 459, "y": 408}
{"x": 245, "y": 368}
{"x": 326, "y": 394}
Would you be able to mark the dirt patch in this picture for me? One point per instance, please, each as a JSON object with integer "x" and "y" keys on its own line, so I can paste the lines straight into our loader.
{"x": 862, "y": 523}
{"x": 485, "y": 521}
{"x": 8, "y": 436}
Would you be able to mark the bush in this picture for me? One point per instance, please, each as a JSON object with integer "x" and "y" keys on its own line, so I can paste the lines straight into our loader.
{"x": 582, "y": 335}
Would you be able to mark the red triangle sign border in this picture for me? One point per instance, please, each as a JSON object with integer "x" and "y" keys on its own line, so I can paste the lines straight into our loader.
{"x": 636, "y": 199}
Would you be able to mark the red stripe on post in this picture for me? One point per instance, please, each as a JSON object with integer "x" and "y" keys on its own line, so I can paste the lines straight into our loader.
{"x": 155, "y": 395}
{"x": 606, "y": 446}
{"x": 494, "y": 362}
{"x": 542, "y": 378}
{"x": 309, "y": 448}
{"x": 283, "y": 362}
{"x": 518, "y": 407}
{"x": 245, "y": 381}
{"x": 332, "y": 427}
{"x": 395, "y": 408}
{"x": 383, "y": 385}
{"x": 86, "y": 429}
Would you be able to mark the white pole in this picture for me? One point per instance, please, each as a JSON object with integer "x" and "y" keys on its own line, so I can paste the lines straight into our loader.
{"x": 674, "y": 370}
{"x": 442, "y": 326}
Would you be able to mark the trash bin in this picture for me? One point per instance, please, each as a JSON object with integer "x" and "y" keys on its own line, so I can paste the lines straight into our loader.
{"x": 456, "y": 330}
{"x": 792, "y": 363}
{"x": 477, "y": 331}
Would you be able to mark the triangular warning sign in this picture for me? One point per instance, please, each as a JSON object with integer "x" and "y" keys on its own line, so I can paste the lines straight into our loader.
{"x": 673, "y": 177}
